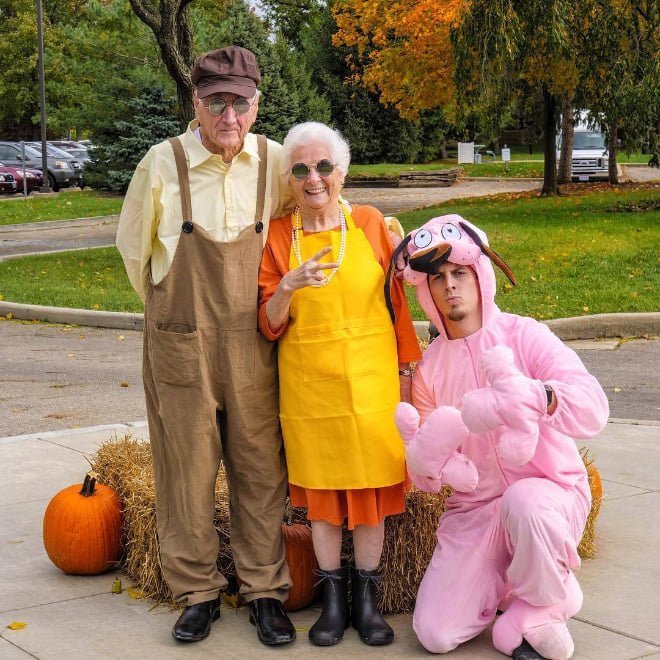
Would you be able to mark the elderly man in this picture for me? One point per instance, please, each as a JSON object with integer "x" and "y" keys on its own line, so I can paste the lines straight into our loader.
{"x": 508, "y": 538}
{"x": 191, "y": 233}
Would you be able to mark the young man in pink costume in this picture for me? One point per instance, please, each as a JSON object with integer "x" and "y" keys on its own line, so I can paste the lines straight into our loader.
{"x": 500, "y": 400}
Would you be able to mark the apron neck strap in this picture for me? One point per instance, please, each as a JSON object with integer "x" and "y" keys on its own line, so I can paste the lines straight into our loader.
{"x": 182, "y": 172}
{"x": 350, "y": 224}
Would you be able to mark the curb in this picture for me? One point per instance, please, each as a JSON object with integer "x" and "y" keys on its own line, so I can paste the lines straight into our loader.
{"x": 125, "y": 427}
{"x": 595, "y": 326}
{"x": 61, "y": 224}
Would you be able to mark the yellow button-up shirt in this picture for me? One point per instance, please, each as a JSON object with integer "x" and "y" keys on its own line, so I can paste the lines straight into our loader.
{"x": 223, "y": 199}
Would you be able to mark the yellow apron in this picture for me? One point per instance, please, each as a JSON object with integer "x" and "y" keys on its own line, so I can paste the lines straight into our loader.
{"x": 338, "y": 371}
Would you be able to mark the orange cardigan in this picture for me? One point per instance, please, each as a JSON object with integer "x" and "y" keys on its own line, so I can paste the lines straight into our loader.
{"x": 275, "y": 263}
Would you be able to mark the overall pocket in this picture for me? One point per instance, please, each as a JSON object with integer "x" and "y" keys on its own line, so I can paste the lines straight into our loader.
{"x": 174, "y": 357}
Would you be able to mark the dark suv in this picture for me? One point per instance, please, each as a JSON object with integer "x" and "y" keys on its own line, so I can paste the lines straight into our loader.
{"x": 63, "y": 170}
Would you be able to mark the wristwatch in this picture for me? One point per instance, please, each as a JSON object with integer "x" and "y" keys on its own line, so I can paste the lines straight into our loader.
{"x": 405, "y": 372}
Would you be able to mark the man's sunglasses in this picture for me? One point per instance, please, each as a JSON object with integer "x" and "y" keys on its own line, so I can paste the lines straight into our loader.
{"x": 217, "y": 106}
{"x": 301, "y": 171}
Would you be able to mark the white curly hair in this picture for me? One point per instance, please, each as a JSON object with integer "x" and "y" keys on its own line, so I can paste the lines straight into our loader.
{"x": 314, "y": 132}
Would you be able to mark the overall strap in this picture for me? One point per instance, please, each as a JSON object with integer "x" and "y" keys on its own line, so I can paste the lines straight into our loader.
{"x": 262, "y": 150}
{"x": 182, "y": 172}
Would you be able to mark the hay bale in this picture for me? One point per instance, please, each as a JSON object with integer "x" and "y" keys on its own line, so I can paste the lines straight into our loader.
{"x": 587, "y": 546}
{"x": 125, "y": 465}
{"x": 409, "y": 543}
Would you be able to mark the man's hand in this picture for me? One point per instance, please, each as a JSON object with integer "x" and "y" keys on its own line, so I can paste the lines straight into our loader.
{"x": 310, "y": 273}
{"x": 513, "y": 401}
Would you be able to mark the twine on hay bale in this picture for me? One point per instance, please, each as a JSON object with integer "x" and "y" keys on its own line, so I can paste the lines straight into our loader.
{"x": 125, "y": 465}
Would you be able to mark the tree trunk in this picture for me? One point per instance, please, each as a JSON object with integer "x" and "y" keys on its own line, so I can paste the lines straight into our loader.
{"x": 496, "y": 146}
{"x": 550, "y": 143}
{"x": 612, "y": 133}
{"x": 170, "y": 23}
{"x": 566, "y": 152}
{"x": 443, "y": 150}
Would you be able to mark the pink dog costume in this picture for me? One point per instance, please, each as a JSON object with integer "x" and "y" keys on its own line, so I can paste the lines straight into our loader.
{"x": 508, "y": 538}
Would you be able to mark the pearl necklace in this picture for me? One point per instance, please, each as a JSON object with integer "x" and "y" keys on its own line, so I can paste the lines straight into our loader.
{"x": 296, "y": 227}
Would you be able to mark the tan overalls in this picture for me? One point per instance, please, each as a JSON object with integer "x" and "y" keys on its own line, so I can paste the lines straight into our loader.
{"x": 211, "y": 391}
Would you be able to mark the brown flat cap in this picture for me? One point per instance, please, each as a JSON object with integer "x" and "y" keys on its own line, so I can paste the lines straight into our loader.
{"x": 232, "y": 69}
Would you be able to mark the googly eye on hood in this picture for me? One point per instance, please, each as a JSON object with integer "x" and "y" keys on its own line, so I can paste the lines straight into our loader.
{"x": 447, "y": 238}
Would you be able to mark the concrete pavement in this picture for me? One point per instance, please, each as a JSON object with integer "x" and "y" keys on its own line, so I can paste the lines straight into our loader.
{"x": 69, "y": 616}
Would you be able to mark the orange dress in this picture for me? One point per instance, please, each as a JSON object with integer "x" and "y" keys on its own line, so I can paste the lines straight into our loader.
{"x": 360, "y": 505}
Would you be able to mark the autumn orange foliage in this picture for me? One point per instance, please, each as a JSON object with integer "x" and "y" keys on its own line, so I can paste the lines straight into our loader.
{"x": 403, "y": 47}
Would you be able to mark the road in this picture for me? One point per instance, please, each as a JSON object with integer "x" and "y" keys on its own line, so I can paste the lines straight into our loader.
{"x": 57, "y": 377}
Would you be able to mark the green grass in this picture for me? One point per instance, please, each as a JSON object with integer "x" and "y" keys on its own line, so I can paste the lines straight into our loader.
{"x": 570, "y": 254}
{"x": 523, "y": 164}
{"x": 393, "y": 170}
{"x": 65, "y": 206}
{"x": 84, "y": 279}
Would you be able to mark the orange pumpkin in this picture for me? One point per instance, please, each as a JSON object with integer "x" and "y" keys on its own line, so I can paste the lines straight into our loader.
{"x": 83, "y": 527}
{"x": 302, "y": 562}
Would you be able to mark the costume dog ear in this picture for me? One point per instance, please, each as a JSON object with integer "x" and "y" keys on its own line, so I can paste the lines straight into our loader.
{"x": 400, "y": 251}
{"x": 491, "y": 254}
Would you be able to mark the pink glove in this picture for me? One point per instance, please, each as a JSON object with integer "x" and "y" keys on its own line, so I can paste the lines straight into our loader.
{"x": 512, "y": 401}
{"x": 431, "y": 450}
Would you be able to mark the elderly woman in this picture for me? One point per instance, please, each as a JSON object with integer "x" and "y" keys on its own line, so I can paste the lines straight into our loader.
{"x": 321, "y": 288}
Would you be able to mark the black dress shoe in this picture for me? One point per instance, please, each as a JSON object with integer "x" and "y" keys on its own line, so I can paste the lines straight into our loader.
{"x": 273, "y": 625}
{"x": 525, "y": 652}
{"x": 195, "y": 621}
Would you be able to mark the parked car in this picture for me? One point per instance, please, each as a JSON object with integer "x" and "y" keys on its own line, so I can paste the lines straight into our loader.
{"x": 34, "y": 178}
{"x": 61, "y": 172}
{"x": 77, "y": 150}
{"x": 7, "y": 182}
{"x": 60, "y": 154}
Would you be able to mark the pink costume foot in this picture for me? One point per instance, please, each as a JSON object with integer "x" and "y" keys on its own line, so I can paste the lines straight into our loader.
{"x": 543, "y": 627}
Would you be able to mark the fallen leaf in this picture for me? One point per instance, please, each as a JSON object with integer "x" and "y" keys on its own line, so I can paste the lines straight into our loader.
{"x": 17, "y": 625}
{"x": 135, "y": 593}
{"x": 121, "y": 337}
{"x": 71, "y": 355}
{"x": 617, "y": 389}
{"x": 585, "y": 308}
{"x": 123, "y": 384}
{"x": 9, "y": 316}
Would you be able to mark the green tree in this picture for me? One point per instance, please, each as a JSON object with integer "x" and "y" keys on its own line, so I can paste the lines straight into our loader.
{"x": 503, "y": 46}
{"x": 288, "y": 95}
{"x": 620, "y": 72}
{"x": 119, "y": 147}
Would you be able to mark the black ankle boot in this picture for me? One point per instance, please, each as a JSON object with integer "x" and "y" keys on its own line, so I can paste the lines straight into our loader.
{"x": 329, "y": 628}
{"x": 365, "y": 617}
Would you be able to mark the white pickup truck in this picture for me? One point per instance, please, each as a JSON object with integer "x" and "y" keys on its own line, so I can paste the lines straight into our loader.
{"x": 590, "y": 158}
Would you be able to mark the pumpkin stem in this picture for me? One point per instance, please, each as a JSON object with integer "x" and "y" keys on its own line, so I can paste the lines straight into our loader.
{"x": 89, "y": 484}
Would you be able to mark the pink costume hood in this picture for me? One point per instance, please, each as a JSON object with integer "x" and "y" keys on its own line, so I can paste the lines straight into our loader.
{"x": 450, "y": 238}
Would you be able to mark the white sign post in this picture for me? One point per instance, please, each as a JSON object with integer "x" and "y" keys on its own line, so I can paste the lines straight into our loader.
{"x": 506, "y": 157}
